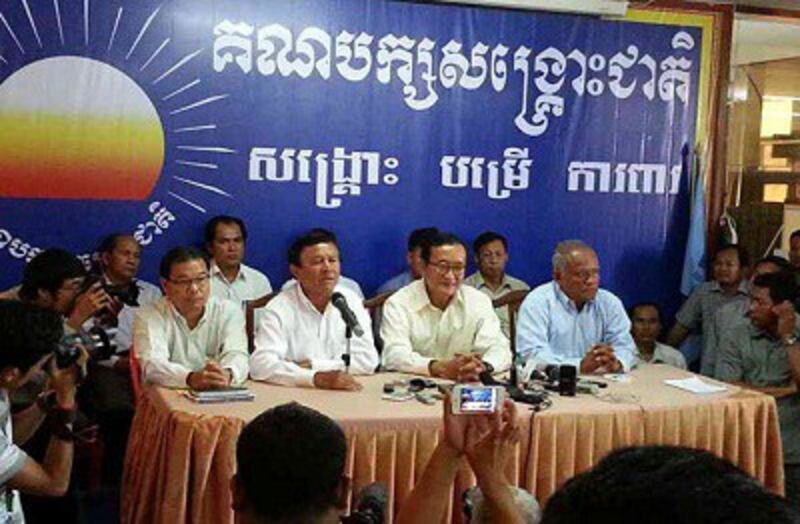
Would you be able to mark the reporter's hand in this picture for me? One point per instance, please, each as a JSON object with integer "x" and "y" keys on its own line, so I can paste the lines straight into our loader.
{"x": 490, "y": 443}
{"x": 65, "y": 381}
{"x": 338, "y": 380}
{"x": 455, "y": 426}
{"x": 87, "y": 304}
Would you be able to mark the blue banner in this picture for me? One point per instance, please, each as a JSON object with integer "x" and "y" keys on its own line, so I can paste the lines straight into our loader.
{"x": 367, "y": 117}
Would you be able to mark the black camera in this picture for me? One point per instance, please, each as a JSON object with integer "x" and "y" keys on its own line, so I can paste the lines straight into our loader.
{"x": 96, "y": 341}
{"x": 370, "y": 505}
{"x": 127, "y": 294}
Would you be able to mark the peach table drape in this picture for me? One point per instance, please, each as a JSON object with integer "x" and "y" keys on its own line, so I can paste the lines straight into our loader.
{"x": 180, "y": 455}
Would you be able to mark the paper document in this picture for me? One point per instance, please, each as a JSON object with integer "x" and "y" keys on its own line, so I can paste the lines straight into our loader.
{"x": 695, "y": 385}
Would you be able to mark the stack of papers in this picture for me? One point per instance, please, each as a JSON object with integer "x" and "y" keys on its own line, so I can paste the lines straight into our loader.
{"x": 695, "y": 385}
{"x": 233, "y": 394}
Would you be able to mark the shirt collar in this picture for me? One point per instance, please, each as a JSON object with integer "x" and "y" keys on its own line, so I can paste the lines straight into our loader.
{"x": 568, "y": 302}
{"x": 481, "y": 282}
{"x": 743, "y": 289}
{"x": 420, "y": 299}
{"x": 217, "y": 272}
{"x": 181, "y": 319}
{"x": 306, "y": 302}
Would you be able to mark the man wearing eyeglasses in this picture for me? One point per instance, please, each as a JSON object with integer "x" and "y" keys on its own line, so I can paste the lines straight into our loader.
{"x": 188, "y": 338}
{"x": 437, "y": 326}
{"x": 572, "y": 321}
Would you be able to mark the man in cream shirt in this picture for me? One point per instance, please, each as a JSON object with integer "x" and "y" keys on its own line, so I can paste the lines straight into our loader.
{"x": 230, "y": 277}
{"x": 300, "y": 337}
{"x": 188, "y": 338}
{"x": 436, "y": 326}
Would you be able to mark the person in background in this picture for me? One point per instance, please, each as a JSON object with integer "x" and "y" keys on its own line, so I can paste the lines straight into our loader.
{"x": 189, "y": 338}
{"x": 231, "y": 278}
{"x": 764, "y": 354}
{"x": 645, "y": 329}
{"x": 491, "y": 257}
{"x": 416, "y": 265}
{"x": 300, "y": 338}
{"x": 571, "y": 321}
{"x": 794, "y": 249}
{"x": 729, "y": 285}
{"x": 436, "y": 326}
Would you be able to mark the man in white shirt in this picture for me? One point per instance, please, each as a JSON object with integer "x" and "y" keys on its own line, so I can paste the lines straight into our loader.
{"x": 645, "y": 329}
{"x": 300, "y": 338}
{"x": 189, "y": 338}
{"x": 230, "y": 277}
{"x": 437, "y": 326}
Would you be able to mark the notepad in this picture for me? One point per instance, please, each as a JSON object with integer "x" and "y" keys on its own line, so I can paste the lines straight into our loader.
{"x": 232, "y": 394}
{"x": 695, "y": 385}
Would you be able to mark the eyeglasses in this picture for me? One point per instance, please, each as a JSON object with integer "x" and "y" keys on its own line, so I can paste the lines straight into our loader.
{"x": 443, "y": 268}
{"x": 186, "y": 283}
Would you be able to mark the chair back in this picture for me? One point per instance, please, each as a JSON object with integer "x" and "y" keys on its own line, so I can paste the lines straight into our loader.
{"x": 513, "y": 300}
{"x": 250, "y": 307}
{"x": 374, "y": 306}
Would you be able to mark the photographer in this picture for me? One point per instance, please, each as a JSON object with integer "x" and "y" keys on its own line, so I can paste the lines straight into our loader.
{"x": 30, "y": 334}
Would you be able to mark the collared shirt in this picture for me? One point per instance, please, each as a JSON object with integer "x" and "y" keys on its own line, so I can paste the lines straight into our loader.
{"x": 344, "y": 282}
{"x": 507, "y": 285}
{"x": 396, "y": 282}
{"x": 169, "y": 349}
{"x": 662, "y": 354}
{"x": 726, "y": 317}
{"x": 551, "y": 330}
{"x": 249, "y": 284}
{"x": 415, "y": 332}
{"x": 752, "y": 356}
{"x": 292, "y": 331}
{"x": 698, "y": 313}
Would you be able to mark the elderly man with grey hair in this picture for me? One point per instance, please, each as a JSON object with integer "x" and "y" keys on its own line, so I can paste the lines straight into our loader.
{"x": 570, "y": 320}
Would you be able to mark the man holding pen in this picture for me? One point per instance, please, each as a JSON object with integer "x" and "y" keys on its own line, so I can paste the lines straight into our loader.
{"x": 188, "y": 338}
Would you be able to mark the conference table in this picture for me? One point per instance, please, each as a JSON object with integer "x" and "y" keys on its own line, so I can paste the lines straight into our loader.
{"x": 181, "y": 455}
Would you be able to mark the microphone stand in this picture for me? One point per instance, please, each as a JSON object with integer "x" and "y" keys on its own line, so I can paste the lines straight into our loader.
{"x": 348, "y": 335}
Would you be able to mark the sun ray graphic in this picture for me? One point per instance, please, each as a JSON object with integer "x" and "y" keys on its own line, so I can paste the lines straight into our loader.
{"x": 58, "y": 143}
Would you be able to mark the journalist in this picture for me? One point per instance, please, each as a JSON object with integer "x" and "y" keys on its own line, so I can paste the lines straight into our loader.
{"x": 30, "y": 334}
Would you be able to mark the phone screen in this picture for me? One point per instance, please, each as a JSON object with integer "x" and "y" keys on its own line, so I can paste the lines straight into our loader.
{"x": 478, "y": 400}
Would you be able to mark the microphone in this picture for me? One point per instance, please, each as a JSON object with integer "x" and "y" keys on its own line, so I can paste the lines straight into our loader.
{"x": 340, "y": 303}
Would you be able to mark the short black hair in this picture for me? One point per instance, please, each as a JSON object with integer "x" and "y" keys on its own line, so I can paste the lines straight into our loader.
{"x": 486, "y": 237}
{"x": 741, "y": 252}
{"x": 28, "y": 333}
{"x": 665, "y": 484}
{"x": 48, "y": 270}
{"x": 109, "y": 243}
{"x": 633, "y": 308}
{"x": 179, "y": 255}
{"x": 290, "y": 463}
{"x": 795, "y": 234}
{"x": 311, "y": 238}
{"x": 211, "y": 226}
{"x": 419, "y": 237}
{"x": 780, "y": 262}
{"x": 440, "y": 239}
{"x": 781, "y": 285}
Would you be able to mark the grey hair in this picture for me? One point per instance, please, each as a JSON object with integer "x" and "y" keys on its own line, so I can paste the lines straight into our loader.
{"x": 564, "y": 251}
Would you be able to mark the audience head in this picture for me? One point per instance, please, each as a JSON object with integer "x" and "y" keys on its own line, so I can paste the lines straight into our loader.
{"x": 491, "y": 254}
{"x": 417, "y": 239}
{"x": 665, "y": 484}
{"x": 730, "y": 264}
{"x": 53, "y": 280}
{"x": 767, "y": 292}
{"x": 770, "y": 264}
{"x": 120, "y": 256}
{"x": 314, "y": 262}
{"x": 185, "y": 279}
{"x": 576, "y": 269}
{"x": 225, "y": 238}
{"x": 794, "y": 248}
{"x": 29, "y": 333}
{"x": 290, "y": 467}
{"x": 645, "y": 323}
{"x": 445, "y": 258}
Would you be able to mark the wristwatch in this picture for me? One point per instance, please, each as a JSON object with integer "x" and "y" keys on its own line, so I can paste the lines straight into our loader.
{"x": 789, "y": 340}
